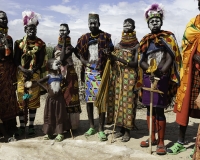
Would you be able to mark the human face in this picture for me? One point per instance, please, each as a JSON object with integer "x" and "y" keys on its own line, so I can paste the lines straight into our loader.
{"x": 63, "y": 31}
{"x": 155, "y": 24}
{"x": 3, "y": 20}
{"x": 127, "y": 27}
{"x": 31, "y": 31}
{"x": 93, "y": 25}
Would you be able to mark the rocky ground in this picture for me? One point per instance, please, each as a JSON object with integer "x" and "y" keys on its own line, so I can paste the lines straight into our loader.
{"x": 82, "y": 148}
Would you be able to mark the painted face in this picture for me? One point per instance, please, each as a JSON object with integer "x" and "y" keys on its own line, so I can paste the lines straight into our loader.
{"x": 63, "y": 31}
{"x": 127, "y": 27}
{"x": 31, "y": 30}
{"x": 55, "y": 65}
{"x": 155, "y": 24}
{"x": 3, "y": 20}
{"x": 93, "y": 25}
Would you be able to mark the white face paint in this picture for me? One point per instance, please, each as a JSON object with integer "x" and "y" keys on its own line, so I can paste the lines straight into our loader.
{"x": 155, "y": 24}
{"x": 127, "y": 27}
{"x": 63, "y": 30}
{"x": 93, "y": 25}
{"x": 56, "y": 64}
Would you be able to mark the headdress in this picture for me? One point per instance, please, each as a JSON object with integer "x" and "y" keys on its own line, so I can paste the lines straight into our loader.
{"x": 30, "y": 17}
{"x": 93, "y": 16}
{"x": 155, "y": 10}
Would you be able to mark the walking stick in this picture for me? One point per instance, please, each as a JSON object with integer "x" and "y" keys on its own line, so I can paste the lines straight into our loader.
{"x": 153, "y": 89}
{"x": 120, "y": 82}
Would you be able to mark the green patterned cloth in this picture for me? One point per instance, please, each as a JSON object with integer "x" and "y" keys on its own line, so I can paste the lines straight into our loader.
{"x": 121, "y": 95}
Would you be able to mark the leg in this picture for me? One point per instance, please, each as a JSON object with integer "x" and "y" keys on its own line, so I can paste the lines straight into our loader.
{"x": 153, "y": 138}
{"x": 90, "y": 109}
{"x": 101, "y": 134}
{"x": 160, "y": 126}
{"x": 21, "y": 130}
{"x": 126, "y": 136}
{"x": 3, "y": 131}
{"x": 31, "y": 130}
{"x": 178, "y": 146}
{"x": 120, "y": 133}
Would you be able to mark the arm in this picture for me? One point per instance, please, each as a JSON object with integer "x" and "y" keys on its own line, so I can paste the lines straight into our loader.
{"x": 41, "y": 59}
{"x": 167, "y": 64}
{"x": 143, "y": 63}
{"x": 39, "y": 82}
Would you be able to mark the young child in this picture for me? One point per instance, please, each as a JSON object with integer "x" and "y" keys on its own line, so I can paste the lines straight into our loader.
{"x": 56, "y": 119}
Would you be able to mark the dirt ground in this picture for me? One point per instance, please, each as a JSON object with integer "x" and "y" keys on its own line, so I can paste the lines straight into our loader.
{"x": 82, "y": 148}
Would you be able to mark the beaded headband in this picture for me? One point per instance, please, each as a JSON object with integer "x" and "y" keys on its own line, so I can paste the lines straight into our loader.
{"x": 155, "y": 10}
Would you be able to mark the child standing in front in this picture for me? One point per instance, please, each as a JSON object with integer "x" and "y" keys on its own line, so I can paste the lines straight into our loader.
{"x": 56, "y": 118}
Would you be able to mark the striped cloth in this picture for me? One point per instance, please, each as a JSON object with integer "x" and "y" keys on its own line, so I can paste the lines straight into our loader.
{"x": 34, "y": 101}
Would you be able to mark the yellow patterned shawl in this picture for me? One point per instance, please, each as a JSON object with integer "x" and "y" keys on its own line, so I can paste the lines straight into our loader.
{"x": 167, "y": 39}
{"x": 190, "y": 40}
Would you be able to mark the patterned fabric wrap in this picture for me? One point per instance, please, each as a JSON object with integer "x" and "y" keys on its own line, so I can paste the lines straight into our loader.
{"x": 121, "y": 95}
{"x": 190, "y": 46}
{"x": 128, "y": 40}
{"x": 34, "y": 101}
{"x": 196, "y": 154}
{"x": 71, "y": 91}
{"x": 168, "y": 41}
{"x": 104, "y": 41}
{"x": 8, "y": 106}
{"x": 35, "y": 46}
{"x": 92, "y": 83}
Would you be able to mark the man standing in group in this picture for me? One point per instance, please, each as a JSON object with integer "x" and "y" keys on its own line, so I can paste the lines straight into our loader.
{"x": 162, "y": 47}
{"x": 90, "y": 46}
{"x": 29, "y": 55}
{"x": 189, "y": 90}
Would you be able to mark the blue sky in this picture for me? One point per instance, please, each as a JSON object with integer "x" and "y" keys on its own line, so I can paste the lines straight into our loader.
{"x": 111, "y": 12}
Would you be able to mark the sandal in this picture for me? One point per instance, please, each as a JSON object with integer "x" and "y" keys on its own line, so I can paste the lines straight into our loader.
{"x": 19, "y": 132}
{"x": 161, "y": 150}
{"x": 192, "y": 153}
{"x": 59, "y": 138}
{"x": 176, "y": 148}
{"x": 102, "y": 136}
{"x": 146, "y": 143}
{"x": 125, "y": 138}
{"x": 47, "y": 137}
{"x": 118, "y": 134}
{"x": 31, "y": 132}
{"x": 90, "y": 132}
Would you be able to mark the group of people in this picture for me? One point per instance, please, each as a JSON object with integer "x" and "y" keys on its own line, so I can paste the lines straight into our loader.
{"x": 114, "y": 77}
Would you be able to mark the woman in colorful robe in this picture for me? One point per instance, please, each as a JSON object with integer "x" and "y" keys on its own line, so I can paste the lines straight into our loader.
{"x": 122, "y": 99}
{"x": 189, "y": 89}
{"x": 8, "y": 101}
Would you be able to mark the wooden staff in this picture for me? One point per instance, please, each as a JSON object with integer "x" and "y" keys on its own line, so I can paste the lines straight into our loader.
{"x": 152, "y": 68}
{"x": 116, "y": 115}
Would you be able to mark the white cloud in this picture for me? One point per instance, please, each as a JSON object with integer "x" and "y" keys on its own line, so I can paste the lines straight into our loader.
{"x": 112, "y": 15}
{"x": 64, "y": 10}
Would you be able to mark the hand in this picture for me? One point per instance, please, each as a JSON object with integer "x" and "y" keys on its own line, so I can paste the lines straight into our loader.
{"x": 196, "y": 58}
{"x": 157, "y": 73}
{"x": 84, "y": 62}
{"x": 113, "y": 58}
{"x": 69, "y": 50}
{"x": 28, "y": 74}
{"x": 151, "y": 77}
